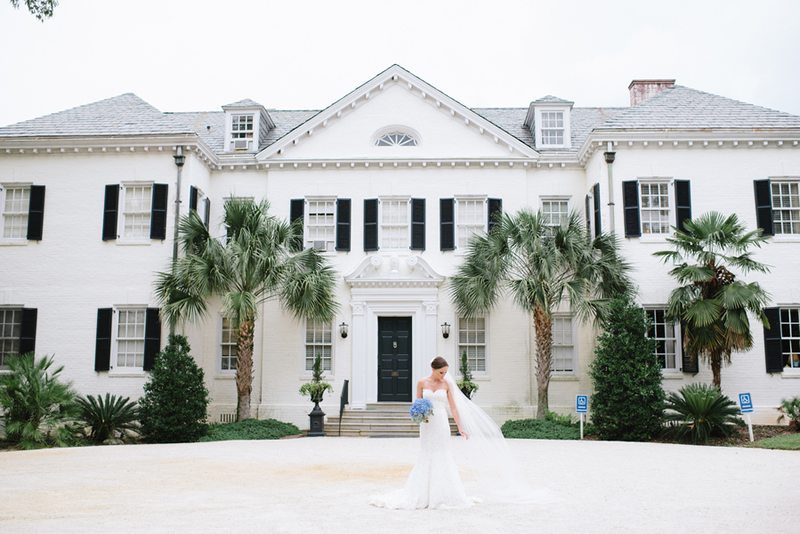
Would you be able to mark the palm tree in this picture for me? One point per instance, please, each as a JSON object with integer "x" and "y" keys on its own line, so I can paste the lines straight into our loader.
{"x": 540, "y": 265}
{"x": 710, "y": 302}
{"x": 257, "y": 262}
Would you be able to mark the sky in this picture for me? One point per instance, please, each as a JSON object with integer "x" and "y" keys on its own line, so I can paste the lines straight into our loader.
{"x": 198, "y": 55}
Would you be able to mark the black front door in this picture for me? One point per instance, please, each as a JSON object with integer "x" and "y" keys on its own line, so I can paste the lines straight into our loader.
{"x": 394, "y": 359}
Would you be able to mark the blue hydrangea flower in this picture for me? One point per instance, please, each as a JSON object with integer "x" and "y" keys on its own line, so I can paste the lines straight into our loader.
{"x": 420, "y": 410}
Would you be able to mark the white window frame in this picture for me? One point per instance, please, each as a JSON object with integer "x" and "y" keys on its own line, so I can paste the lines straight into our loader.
{"x": 249, "y": 135}
{"x": 794, "y": 341}
{"x": 793, "y": 211}
{"x": 115, "y": 369}
{"x": 223, "y": 343}
{"x": 4, "y": 188}
{"x": 459, "y": 346}
{"x": 308, "y": 364}
{"x": 676, "y": 338}
{"x": 201, "y": 205}
{"x": 11, "y": 341}
{"x": 556, "y": 199}
{"x": 396, "y": 138}
{"x": 308, "y": 224}
{"x": 382, "y": 226}
{"x": 461, "y": 225}
{"x": 124, "y": 237}
{"x": 669, "y": 183}
{"x": 574, "y": 345}
{"x": 566, "y": 142}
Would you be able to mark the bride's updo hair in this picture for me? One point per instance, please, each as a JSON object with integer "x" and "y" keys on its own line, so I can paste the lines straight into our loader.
{"x": 439, "y": 362}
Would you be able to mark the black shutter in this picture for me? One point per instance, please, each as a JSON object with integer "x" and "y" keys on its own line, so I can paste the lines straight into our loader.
{"x": 495, "y": 210}
{"x": 763, "y": 206}
{"x": 207, "y": 214}
{"x": 417, "y": 224}
{"x": 683, "y": 202}
{"x": 110, "y": 212}
{"x": 192, "y": 198}
{"x": 689, "y": 363}
{"x": 772, "y": 341}
{"x": 370, "y": 224}
{"x": 158, "y": 213}
{"x": 102, "y": 350}
{"x": 588, "y": 214}
{"x": 296, "y": 213}
{"x": 36, "y": 213}
{"x": 152, "y": 338}
{"x": 598, "y": 222}
{"x": 27, "y": 337}
{"x": 343, "y": 213}
{"x": 447, "y": 227}
{"x": 630, "y": 199}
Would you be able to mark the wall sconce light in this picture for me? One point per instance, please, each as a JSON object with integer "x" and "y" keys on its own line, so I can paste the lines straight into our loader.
{"x": 343, "y": 330}
{"x": 445, "y": 330}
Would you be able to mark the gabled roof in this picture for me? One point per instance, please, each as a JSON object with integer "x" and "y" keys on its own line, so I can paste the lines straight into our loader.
{"x": 550, "y": 99}
{"x": 125, "y": 114}
{"x": 246, "y": 103}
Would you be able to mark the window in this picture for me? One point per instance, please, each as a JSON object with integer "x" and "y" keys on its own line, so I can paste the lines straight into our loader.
{"x": 654, "y": 207}
{"x": 16, "y": 201}
{"x": 790, "y": 337}
{"x": 136, "y": 210}
{"x": 555, "y": 211}
{"x": 470, "y": 219}
{"x": 396, "y": 139}
{"x": 472, "y": 340}
{"x": 663, "y": 332}
{"x": 785, "y": 207}
{"x": 394, "y": 226}
{"x": 130, "y": 338}
{"x": 318, "y": 343}
{"x": 229, "y": 345}
{"x": 552, "y": 127}
{"x": 241, "y": 131}
{"x": 10, "y": 330}
{"x": 320, "y": 224}
{"x": 563, "y": 345}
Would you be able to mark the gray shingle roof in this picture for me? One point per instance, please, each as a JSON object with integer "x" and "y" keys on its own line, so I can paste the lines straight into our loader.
{"x": 246, "y": 103}
{"x": 550, "y": 99}
{"x": 120, "y": 115}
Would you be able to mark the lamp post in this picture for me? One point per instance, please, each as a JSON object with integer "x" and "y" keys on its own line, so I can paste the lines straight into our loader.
{"x": 610, "y": 156}
{"x": 180, "y": 159}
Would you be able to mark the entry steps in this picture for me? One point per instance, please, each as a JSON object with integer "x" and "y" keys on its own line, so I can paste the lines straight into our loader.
{"x": 379, "y": 420}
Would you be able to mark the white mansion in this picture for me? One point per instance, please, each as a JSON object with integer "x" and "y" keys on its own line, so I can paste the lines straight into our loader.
{"x": 390, "y": 181}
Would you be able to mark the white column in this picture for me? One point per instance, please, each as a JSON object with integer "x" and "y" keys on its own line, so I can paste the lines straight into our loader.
{"x": 428, "y": 336}
{"x": 358, "y": 390}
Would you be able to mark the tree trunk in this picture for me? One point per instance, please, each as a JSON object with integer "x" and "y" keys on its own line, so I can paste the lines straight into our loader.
{"x": 244, "y": 370}
{"x": 716, "y": 369}
{"x": 543, "y": 324}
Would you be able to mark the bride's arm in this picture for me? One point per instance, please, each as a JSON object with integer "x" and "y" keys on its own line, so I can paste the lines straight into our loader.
{"x": 454, "y": 411}
{"x": 419, "y": 389}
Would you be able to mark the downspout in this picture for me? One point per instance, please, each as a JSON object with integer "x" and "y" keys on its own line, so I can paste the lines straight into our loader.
{"x": 180, "y": 159}
{"x": 610, "y": 156}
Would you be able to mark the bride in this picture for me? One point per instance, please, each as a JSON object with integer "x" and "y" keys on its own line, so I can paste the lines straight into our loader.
{"x": 434, "y": 482}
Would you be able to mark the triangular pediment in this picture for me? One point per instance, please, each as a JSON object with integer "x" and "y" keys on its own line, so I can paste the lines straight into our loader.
{"x": 396, "y": 100}
{"x": 394, "y": 270}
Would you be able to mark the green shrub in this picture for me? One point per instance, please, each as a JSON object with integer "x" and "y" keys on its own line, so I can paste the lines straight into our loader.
{"x": 790, "y": 409}
{"x": 465, "y": 383}
{"x": 699, "y": 411}
{"x": 565, "y": 420}
{"x": 539, "y": 429}
{"x": 627, "y": 403}
{"x": 109, "y": 418}
{"x": 37, "y": 404}
{"x": 250, "y": 429}
{"x": 175, "y": 402}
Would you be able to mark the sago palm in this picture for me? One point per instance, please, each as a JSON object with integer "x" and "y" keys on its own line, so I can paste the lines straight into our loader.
{"x": 540, "y": 266}
{"x": 712, "y": 304}
{"x": 255, "y": 263}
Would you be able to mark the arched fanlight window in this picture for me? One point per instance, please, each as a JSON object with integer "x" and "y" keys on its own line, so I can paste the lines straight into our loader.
{"x": 396, "y": 139}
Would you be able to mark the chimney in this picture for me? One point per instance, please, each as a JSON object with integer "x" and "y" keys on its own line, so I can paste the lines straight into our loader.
{"x": 642, "y": 90}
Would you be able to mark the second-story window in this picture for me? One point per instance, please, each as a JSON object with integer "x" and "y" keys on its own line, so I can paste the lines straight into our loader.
{"x": 470, "y": 220}
{"x": 320, "y": 224}
{"x": 136, "y": 210}
{"x": 785, "y": 207}
{"x": 552, "y": 127}
{"x": 654, "y": 207}
{"x": 555, "y": 211}
{"x": 394, "y": 229}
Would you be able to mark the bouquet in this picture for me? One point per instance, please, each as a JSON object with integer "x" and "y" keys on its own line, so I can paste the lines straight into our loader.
{"x": 420, "y": 410}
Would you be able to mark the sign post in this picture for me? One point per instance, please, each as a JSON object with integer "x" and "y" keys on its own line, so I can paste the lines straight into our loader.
{"x": 746, "y": 405}
{"x": 582, "y": 406}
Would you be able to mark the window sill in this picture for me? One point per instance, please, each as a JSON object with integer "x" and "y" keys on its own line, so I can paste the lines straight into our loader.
{"x": 784, "y": 238}
{"x": 791, "y": 373}
{"x": 132, "y": 243}
{"x": 133, "y": 373}
{"x": 221, "y": 375}
{"x": 564, "y": 378}
{"x": 13, "y": 242}
{"x": 326, "y": 378}
{"x": 659, "y": 239}
{"x": 671, "y": 375}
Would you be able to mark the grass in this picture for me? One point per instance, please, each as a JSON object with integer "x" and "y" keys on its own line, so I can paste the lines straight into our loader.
{"x": 250, "y": 429}
{"x": 786, "y": 442}
{"x": 553, "y": 427}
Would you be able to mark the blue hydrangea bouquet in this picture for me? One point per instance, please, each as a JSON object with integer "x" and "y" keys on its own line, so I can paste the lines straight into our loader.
{"x": 420, "y": 410}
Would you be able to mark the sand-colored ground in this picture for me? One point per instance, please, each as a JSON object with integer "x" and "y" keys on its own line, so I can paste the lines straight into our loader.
{"x": 315, "y": 485}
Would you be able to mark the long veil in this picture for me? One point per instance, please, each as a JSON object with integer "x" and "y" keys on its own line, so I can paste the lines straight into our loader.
{"x": 487, "y": 454}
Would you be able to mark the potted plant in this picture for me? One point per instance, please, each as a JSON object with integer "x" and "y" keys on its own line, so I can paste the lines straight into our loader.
{"x": 316, "y": 389}
{"x": 465, "y": 383}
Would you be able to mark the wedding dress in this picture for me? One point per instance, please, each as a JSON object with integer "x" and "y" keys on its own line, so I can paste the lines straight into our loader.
{"x": 434, "y": 481}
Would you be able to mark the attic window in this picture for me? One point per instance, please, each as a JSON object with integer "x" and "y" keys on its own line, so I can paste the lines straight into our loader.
{"x": 396, "y": 139}
{"x": 241, "y": 131}
{"x": 552, "y": 127}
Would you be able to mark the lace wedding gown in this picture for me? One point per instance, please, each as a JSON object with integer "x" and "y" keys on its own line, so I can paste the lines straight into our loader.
{"x": 434, "y": 482}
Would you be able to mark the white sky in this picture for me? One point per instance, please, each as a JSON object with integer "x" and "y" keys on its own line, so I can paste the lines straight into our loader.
{"x": 197, "y": 55}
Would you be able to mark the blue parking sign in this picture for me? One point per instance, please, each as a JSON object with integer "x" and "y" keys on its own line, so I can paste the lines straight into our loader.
{"x": 582, "y": 403}
{"x": 746, "y": 402}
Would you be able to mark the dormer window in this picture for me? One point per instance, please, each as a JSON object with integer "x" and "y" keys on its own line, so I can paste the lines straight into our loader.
{"x": 552, "y": 128}
{"x": 241, "y": 132}
{"x": 548, "y": 119}
{"x": 246, "y": 124}
{"x": 396, "y": 139}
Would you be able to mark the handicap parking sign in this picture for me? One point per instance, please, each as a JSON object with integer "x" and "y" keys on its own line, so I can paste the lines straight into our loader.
{"x": 746, "y": 402}
{"x": 582, "y": 403}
